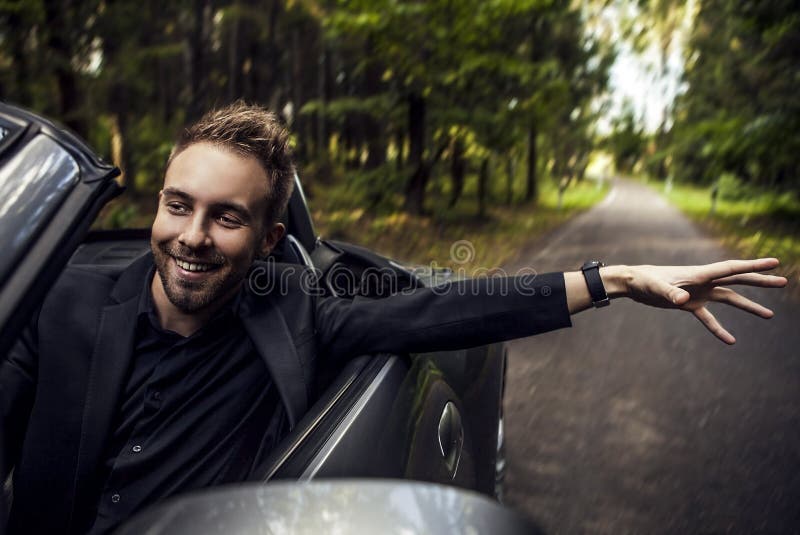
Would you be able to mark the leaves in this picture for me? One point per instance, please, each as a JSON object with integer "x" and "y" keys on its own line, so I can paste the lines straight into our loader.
{"x": 343, "y": 74}
{"x": 742, "y": 107}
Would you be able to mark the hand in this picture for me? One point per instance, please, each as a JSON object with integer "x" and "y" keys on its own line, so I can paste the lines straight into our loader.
{"x": 690, "y": 288}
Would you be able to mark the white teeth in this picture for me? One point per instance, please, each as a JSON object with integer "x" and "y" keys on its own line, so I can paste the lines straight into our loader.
{"x": 188, "y": 266}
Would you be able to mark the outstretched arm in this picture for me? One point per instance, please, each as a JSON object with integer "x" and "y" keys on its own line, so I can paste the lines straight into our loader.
{"x": 687, "y": 288}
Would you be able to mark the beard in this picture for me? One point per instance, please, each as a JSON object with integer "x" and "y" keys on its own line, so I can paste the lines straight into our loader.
{"x": 191, "y": 296}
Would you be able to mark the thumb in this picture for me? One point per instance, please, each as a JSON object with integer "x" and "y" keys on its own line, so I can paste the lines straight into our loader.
{"x": 673, "y": 294}
{"x": 679, "y": 296}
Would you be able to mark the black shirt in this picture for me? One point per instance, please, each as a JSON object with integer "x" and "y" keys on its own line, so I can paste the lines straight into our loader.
{"x": 197, "y": 411}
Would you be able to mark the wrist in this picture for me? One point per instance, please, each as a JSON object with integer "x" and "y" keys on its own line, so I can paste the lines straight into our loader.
{"x": 616, "y": 280}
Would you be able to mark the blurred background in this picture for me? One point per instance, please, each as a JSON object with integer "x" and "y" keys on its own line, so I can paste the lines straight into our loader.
{"x": 420, "y": 123}
{"x": 545, "y": 132}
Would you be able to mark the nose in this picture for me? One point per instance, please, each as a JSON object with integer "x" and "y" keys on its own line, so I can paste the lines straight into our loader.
{"x": 195, "y": 234}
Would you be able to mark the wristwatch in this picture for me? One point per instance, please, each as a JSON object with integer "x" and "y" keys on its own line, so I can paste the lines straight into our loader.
{"x": 591, "y": 272}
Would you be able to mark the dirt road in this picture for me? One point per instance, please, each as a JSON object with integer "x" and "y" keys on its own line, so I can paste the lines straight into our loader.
{"x": 638, "y": 420}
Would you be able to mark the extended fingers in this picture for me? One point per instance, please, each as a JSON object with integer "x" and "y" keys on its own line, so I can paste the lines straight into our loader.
{"x": 711, "y": 323}
{"x": 727, "y": 268}
{"x": 728, "y": 296}
{"x": 753, "y": 279}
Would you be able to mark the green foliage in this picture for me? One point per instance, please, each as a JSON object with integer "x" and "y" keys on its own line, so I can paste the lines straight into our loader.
{"x": 340, "y": 110}
{"x": 627, "y": 141}
{"x": 734, "y": 189}
{"x": 484, "y": 68}
{"x": 120, "y": 216}
{"x": 497, "y": 238}
{"x": 151, "y": 138}
{"x": 376, "y": 190}
{"x": 488, "y": 74}
{"x": 741, "y": 113}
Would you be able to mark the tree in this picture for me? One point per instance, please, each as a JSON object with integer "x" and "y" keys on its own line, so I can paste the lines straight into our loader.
{"x": 627, "y": 141}
{"x": 741, "y": 107}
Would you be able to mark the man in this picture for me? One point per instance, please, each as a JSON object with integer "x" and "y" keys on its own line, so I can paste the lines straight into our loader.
{"x": 171, "y": 376}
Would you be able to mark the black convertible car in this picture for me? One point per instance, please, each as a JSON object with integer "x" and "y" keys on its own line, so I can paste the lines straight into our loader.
{"x": 433, "y": 417}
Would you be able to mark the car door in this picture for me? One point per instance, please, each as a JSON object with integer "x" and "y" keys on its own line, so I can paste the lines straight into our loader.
{"x": 430, "y": 417}
{"x": 51, "y": 188}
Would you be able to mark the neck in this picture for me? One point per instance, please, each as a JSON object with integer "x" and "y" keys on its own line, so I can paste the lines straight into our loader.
{"x": 184, "y": 323}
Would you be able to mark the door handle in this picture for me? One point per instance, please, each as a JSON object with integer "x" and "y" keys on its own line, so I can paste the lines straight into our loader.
{"x": 451, "y": 437}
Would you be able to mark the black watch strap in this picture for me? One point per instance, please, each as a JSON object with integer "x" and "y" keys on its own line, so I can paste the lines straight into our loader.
{"x": 591, "y": 272}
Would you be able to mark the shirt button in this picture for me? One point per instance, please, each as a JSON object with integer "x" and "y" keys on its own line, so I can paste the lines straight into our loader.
{"x": 136, "y": 449}
{"x": 115, "y": 498}
{"x": 157, "y": 396}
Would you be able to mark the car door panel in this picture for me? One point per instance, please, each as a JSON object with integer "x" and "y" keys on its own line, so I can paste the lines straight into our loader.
{"x": 390, "y": 428}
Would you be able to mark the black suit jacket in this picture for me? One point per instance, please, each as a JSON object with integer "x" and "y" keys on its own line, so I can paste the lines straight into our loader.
{"x": 61, "y": 384}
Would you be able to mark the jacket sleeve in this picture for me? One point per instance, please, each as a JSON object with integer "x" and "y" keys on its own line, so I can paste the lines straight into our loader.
{"x": 455, "y": 315}
{"x": 18, "y": 371}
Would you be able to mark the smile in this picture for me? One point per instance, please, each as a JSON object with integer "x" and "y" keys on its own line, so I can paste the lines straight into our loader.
{"x": 194, "y": 266}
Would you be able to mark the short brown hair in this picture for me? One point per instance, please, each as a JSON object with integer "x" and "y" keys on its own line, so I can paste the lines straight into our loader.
{"x": 249, "y": 130}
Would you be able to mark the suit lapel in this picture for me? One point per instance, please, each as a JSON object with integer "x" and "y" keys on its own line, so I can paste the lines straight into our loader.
{"x": 267, "y": 329}
{"x": 110, "y": 361}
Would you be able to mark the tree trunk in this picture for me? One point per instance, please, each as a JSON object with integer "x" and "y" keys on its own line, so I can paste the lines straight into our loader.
{"x": 299, "y": 122}
{"x": 511, "y": 166}
{"x": 458, "y": 168}
{"x": 266, "y": 56}
{"x": 234, "y": 58}
{"x": 69, "y": 108}
{"x": 196, "y": 60}
{"x": 322, "y": 95}
{"x": 350, "y": 143}
{"x": 415, "y": 188}
{"x": 376, "y": 144}
{"x": 661, "y": 137}
{"x": 20, "y": 90}
{"x": 120, "y": 146}
{"x": 372, "y": 128}
{"x": 400, "y": 141}
{"x": 532, "y": 189}
{"x": 117, "y": 143}
{"x": 538, "y": 35}
{"x": 483, "y": 182}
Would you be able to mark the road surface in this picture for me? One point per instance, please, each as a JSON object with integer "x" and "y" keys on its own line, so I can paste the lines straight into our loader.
{"x": 638, "y": 420}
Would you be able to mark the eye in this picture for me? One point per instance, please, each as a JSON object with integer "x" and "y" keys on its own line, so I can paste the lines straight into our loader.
{"x": 229, "y": 221}
{"x": 177, "y": 208}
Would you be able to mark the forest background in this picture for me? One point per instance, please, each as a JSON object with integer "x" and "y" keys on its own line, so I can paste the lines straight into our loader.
{"x": 420, "y": 123}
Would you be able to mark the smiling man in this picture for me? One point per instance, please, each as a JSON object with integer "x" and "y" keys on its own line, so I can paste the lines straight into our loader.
{"x": 227, "y": 179}
{"x": 208, "y": 231}
{"x": 172, "y": 376}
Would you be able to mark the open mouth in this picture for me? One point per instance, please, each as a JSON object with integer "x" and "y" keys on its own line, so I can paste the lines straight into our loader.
{"x": 195, "y": 267}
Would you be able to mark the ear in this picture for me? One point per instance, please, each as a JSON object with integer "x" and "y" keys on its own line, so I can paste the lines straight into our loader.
{"x": 271, "y": 238}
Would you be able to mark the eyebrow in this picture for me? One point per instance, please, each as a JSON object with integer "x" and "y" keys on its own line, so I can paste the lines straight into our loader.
{"x": 240, "y": 209}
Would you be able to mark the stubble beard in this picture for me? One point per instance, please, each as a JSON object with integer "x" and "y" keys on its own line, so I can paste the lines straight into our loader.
{"x": 191, "y": 296}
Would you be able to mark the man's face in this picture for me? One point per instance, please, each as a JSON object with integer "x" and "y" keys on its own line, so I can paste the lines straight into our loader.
{"x": 210, "y": 225}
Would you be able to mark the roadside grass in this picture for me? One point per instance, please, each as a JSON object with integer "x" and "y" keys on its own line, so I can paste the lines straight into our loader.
{"x": 437, "y": 238}
{"x": 755, "y": 224}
